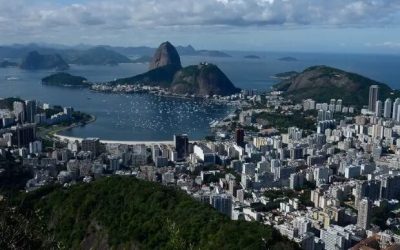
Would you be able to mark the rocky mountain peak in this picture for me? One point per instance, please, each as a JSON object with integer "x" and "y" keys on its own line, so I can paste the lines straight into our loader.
{"x": 165, "y": 55}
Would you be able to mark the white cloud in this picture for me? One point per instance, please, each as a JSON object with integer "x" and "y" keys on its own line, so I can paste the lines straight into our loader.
{"x": 193, "y": 12}
{"x": 94, "y": 18}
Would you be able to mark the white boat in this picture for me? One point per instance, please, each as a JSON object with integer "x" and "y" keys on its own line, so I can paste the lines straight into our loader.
{"x": 11, "y": 78}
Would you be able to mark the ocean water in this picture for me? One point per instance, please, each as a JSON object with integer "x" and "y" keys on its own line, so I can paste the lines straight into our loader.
{"x": 143, "y": 117}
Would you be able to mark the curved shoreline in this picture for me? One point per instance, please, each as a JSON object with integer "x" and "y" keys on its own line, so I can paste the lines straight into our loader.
{"x": 147, "y": 143}
{"x": 93, "y": 119}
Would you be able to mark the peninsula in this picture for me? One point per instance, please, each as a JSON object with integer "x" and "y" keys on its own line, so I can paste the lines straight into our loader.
{"x": 166, "y": 72}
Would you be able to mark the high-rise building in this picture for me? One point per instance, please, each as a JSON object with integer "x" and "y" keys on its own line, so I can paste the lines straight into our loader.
{"x": 335, "y": 238}
{"x": 91, "y": 145}
{"x": 387, "y": 108}
{"x": 23, "y": 135}
{"x": 325, "y": 115}
{"x": 19, "y": 111}
{"x": 181, "y": 146}
{"x": 339, "y": 105}
{"x": 364, "y": 214}
{"x": 239, "y": 137}
{"x": 373, "y": 97}
{"x": 30, "y": 111}
{"x": 222, "y": 203}
{"x": 395, "y": 108}
{"x": 378, "y": 108}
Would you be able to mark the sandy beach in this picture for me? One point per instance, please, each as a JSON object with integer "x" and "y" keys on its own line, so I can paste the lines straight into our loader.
{"x": 148, "y": 143}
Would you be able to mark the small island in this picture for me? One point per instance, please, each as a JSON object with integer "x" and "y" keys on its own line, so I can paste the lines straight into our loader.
{"x": 286, "y": 75}
{"x": 7, "y": 64}
{"x": 288, "y": 59}
{"x": 252, "y": 57}
{"x": 65, "y": 80}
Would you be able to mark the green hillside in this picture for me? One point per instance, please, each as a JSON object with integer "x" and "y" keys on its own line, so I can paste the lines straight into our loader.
{"x": 322, "y": 83}
{"x": 65, "y": 79}
{"x": 126, "y": 213}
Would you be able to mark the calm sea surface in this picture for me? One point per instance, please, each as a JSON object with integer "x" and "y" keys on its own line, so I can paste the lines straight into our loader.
{"x": 144, "y": 117}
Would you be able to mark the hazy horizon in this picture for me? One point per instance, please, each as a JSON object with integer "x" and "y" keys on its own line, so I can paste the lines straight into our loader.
{"x": 337, "y": 26}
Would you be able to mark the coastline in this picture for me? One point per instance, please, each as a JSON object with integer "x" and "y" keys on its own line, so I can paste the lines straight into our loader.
{"x": 147, "y": 143}
{"x": 55, "y": 134}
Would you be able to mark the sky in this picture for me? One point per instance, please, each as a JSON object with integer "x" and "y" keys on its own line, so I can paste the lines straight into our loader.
{"x": 348, "y": 26}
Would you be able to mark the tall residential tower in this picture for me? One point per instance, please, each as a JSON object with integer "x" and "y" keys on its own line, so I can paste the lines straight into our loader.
{"x": 373, "y": 97}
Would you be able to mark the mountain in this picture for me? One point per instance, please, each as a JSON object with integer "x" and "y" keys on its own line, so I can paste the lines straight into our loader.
{"x": 162, "y": 76}
{"x": 66, "y": 80}
{"x": 99, "y": 56}
{"x": 212, "y": 53}
{"x": 142, "y": 59}
{"x": 70, "y": 53}
{"x": 190, "y": 51}
{"x": 288, "y": 59}
{"x": 203, "y": 79}
{"x": 35, "y": 61}
{"x": 133, "y": 51}
{"x": 322, "y": 83}
{"x": 18, "y": 51}
{"x": 186, "y": 50}
{"x": 127, "y": 213}
{"x": 166, "y": 71}
{"x": 165, "y": 55}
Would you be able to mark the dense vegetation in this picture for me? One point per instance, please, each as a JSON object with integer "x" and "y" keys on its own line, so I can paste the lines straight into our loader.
{"x": 161, "y": 76}
{"x": 129, "y": 213}
{"x": 7, "y": 103}
{"x": 19, "y": 232}
{"x": 65, "y": 79}
{"x": 283, "y": 121}
{"x": 12, "y": 175}
{"x": 322, "y": 83}
{"x": 203, "y": 79}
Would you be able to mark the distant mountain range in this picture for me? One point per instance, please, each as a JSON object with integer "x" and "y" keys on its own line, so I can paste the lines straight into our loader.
{"x": 35, "y": 61}
{"x": 165, "y": 70}
{"x": 322, "y": 83}
{"x": 95, "y": 55}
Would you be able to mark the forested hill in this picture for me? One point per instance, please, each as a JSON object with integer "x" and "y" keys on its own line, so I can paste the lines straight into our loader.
{"x": 126, "y": 213}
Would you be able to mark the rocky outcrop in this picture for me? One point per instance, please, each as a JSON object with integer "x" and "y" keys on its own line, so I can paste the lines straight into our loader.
{"x": 165, "y": 55}
{"x": 166, "y": 71}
